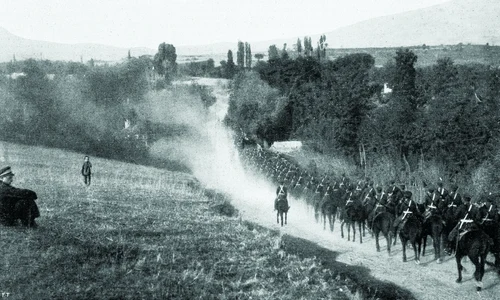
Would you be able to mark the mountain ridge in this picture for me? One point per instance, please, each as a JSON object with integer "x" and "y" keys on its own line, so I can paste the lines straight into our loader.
{"x": 457, "y": 21}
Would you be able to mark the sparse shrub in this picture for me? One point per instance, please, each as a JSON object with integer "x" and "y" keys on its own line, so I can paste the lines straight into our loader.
{"x": 225, "y": 208}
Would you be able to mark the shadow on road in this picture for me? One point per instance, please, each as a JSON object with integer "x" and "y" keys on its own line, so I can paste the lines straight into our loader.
{"x": 357, "y": 278}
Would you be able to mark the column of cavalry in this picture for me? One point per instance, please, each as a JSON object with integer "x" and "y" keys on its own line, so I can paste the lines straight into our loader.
{"x": 390, "y": 210}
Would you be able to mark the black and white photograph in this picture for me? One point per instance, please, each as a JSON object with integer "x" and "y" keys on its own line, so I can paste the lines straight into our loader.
{"x": 234, "y": 149}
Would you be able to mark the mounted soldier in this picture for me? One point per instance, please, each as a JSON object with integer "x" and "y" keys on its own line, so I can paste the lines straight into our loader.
{"x": 380, "y": 204}
{"x": 394, "y": 192}
{"x": 408, "y": 207}
{"x": 454, "y": 196}
{"x": 467, "y": 214}
{"x": 281, "y": 195}
{"x": 442, "y": 191}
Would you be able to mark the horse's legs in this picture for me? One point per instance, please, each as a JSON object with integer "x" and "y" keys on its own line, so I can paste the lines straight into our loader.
{"x": 424, "y": 241}
{"x": 342, "y": 229}
{"x": 361, "y": 237}
{"x": 316, "y": 212}
{"x": 364, "y": 226}
{"x": 478, "y": 262}
{"x": 286, "y": 214}
{"x": 376, "y": 232}
{"x": 281, "y": 217}
{"x": 458, "y": 258}
{"x": 331, "y": 218}
{"x": 349, "y": 231}
{"x": 403, "y": 243}
{"x": 437, "y": 247}
{"x": 388, "y": 238}
{"x": 417, "y": 253}
{"x": 353, "y": 225}
{"x": 278, "y": 217}
{"x": 395, "y": 236}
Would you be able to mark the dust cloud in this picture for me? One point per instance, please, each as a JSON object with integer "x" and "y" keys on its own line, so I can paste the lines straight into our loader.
{"x": 207, "y": 148}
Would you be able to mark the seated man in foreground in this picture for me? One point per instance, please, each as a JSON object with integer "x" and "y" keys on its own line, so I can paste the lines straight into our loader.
{"x": 16, "y": 204}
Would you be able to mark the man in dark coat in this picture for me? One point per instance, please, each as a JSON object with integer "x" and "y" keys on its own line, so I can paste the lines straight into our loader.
{"x": 16, "y": 203}
{"x": 86, "y": 170}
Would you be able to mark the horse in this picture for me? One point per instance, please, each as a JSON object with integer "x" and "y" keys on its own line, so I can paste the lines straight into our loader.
{"x": 490, "y": 225}
{"x": 411, "y": 231}
{"x": 475, "y": 244}
{"x": 433, "y": 225}
{"x": 382, "y": 223}
{"x": 329, "y": 207}
{"x": 282, "y": 209}
{"x": 352, "y": 213}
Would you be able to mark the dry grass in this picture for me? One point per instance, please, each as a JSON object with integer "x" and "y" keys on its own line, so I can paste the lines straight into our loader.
{"x": 141, "y": 233}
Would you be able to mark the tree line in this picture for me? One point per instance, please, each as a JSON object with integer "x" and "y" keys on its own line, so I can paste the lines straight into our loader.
{"x": 445, "y": 113}
{"x": 96, "y": 109}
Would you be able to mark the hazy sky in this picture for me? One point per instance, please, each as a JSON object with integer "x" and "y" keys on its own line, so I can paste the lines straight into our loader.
{"x": 147, "y": 23}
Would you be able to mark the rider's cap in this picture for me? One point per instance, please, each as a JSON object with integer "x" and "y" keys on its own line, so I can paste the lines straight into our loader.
{"x": 407, "y": 194}
{"x": 6, "y": 172}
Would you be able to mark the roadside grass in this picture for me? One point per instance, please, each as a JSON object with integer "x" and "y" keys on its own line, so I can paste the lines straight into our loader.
{"x": 142, "y": 233}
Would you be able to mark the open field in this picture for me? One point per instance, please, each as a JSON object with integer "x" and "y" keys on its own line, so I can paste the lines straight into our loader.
{"x": 143, "y": 233}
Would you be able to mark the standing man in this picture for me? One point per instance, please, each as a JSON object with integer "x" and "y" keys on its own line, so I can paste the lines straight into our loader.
{"x": 86, "y": 170}
{"x": 16, "y": 203}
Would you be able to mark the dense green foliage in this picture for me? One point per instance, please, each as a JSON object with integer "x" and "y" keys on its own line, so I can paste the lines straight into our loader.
{"x": 445, "y": 113}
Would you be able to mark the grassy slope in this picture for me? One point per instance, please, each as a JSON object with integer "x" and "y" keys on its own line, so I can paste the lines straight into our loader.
{"x": 141, "y": 233}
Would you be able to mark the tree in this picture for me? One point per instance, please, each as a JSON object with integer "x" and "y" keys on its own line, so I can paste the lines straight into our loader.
{"x": 404, "y": 88}
{"x": 248, "y": 56}
{"x": 259, "y": 56}
{"x": 299, "y": 46}
{"x": 308, "y": 48}
{"x": 322, "y": 45}
{"x": 445, "y": 77}
{"x": 240, "y": 55}
{"x": 284, "y": 53}
{"x": 230, "y": 68}
{"x": 165, "y": 61}
{"x": 273, "y": 52}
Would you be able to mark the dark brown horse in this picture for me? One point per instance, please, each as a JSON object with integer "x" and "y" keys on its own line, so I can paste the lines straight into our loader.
{"x": 382, "y": 223}
{"x": 329, "y": 206}
{"x": 282, "y": 210}
{"x": 353, "y": 213}
{"x": 433, "y": 226}
{"x": 411, "y": 231}
{"x": 476, "y": 245}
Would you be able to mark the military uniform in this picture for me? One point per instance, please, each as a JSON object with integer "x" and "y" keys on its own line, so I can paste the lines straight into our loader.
{"x": 17, "y": 204}
{"x": 468, "y": 215}
{"x": 281, "y": 194}
{"x": 380, "y": 204}
{"x": 408, "y": 207}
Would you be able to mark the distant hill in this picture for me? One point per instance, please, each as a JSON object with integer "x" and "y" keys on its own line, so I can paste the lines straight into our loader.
{"x": 457, "y": 21}
{"x": 22, "y": 48}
